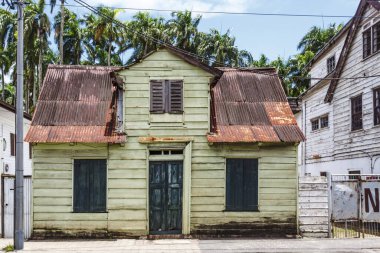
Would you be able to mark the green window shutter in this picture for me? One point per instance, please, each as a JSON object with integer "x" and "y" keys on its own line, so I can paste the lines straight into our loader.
{"x": 13, "y": 144}
{"x": 157, "y": 96}
{"x": 242, "y": 185}
{"x": 251, "y": 184}
{"x": 90, "y": 185}
{"x": 175, "y": 96}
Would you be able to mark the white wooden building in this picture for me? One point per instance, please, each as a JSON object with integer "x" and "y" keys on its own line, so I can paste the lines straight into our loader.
{"x": 7, "y": 168}
{"x": 340, "y": 114}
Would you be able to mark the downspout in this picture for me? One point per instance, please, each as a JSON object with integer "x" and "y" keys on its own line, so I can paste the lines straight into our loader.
{"x": 304, "y": 112}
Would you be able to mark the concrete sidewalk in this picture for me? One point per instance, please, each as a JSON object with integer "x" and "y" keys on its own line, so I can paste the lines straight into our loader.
{"x": 198, "y": 246}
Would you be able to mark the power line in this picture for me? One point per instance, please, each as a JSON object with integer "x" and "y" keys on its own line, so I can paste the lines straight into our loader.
{"x": 230, "y": 13}
{"x": 145, "y": 36}
{"x": 160, "y": 42}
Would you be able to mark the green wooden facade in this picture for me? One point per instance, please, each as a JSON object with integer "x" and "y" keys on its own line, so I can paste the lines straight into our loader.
{"x": 204, "y": 167}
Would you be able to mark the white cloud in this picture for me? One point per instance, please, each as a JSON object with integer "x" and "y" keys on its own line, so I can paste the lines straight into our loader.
{"x": 195, "y": 5}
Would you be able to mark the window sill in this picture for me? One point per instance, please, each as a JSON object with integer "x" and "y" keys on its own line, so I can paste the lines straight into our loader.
{"x": 242, "y": 211}
{"x": 320, "y": 130}
{"x": 91, "y": 212}
{"x": 370, "y": 56}
{"x": 357, "y": 131}
{"x": 170, "y": 113}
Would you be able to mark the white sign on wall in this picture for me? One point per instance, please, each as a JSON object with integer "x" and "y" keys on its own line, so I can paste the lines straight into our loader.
{"x": 370, "y": 201}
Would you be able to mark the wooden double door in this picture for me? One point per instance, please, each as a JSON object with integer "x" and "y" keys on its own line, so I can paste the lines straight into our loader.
{"x": 165, "y": 197}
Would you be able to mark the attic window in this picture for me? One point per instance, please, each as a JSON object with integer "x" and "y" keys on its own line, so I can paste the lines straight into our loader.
{"x": 356, "y": 113}
{"x": 119, "y": 112}
{"x": 320, "y": 122}
{"x": 376, "y": 37}
{"x": 315, "y": 124}
{"x": 367, "y": 43}
{"x": 331, "y": 64}
{"x": 376, "y": 106}
{"x": 166, "y": 152}
{"x": 166, "y": 96}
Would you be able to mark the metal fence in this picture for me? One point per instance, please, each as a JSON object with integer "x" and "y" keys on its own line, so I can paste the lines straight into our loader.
{"x": 355, "y": 206}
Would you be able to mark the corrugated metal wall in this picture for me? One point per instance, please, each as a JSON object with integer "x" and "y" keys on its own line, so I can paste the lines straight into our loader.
{"x": 9, "y": 207}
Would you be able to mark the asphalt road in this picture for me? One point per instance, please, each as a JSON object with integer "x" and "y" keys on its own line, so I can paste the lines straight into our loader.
{"x": 200, "y": 246}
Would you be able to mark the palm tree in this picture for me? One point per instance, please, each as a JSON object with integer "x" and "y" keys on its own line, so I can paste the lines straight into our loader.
{"x": 72, "y": 37}
{"x": 140, "y": 32}
{"x": 183, "y": 29}
{"x": 317, "y": 37}
{"x": 37, "y": 30}
{"x": 263, "y": 61}
{"x": 62, "y": 25}
{"x": 7, "y": 44}
{"x": 221, "y": 49}
{"x": 102, "y": 33}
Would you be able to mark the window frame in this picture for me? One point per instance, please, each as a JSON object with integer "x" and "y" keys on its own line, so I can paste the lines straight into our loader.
{"x": 73, "y": 183}
{"x": 166, "y": 96}
{"x": 320, "y": 122}
{"x": 331, "y": 67}
{"x": 369, "y": 31}
{"x": 227, "y": 207}
{"x": 352, "y": 114}
{"x": 376, "y": 109}
{"x": 12, "y": 144}
{"x": 312, "y": 121}
{"x": 354, "y": 174}
{"x": 377, "y": 24}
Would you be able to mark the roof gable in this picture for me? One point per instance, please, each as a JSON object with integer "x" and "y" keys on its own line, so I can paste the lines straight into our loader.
{"x": 355, "y": 24}
{"x": 181, "y": 54}
{"x": 251, "y": 106}
{"x": 76, "y": 104}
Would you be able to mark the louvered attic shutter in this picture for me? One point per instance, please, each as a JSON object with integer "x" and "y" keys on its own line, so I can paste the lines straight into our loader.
{"x": 157, "y": 100}
{"x": 175, "y": 96}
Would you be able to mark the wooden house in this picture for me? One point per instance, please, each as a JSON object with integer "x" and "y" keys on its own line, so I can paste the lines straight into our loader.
{"x": 167, "y": 145}
{"x": 8, "y": 168}
{"x": 340, "y": 112}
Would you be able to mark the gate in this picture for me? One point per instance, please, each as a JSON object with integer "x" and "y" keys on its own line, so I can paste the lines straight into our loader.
{"x": 355, "y": 204}
{"x": 8, "y": 183}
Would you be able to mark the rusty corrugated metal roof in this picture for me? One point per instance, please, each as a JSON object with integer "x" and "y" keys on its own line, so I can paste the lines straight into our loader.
{"x": 295, "y": 105}
{"x": 76, "y": 104}
{"x": 250, "y": 106}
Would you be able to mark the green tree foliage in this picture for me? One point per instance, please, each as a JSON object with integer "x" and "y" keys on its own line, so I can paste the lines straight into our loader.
{"x": 93, "y": 39}
{"x": 317, "y": 37}
{"x": 293, "y": 70}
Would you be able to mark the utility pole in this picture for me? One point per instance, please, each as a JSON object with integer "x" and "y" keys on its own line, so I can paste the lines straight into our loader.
{"x": 61, "y": 33}
{"x": 19, "y": 193}
{"x": 19, "y": 185}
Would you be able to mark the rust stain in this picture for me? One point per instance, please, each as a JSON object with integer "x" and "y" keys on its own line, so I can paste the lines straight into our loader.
{"x": 267, "y": 228}
{"x": 152, "y": 139}
{"x": 249, "y": 105}
{"x": 76, "y": 104}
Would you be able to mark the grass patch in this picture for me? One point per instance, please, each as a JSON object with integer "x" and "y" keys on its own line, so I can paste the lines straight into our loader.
{"x": 9, "y": 248}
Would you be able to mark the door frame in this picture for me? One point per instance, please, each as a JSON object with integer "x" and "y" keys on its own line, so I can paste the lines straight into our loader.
{"x": 2, "y": 214}
{"x": 165, "y": 164}
{"x": 2, "y": 202}
{"x": 186, "y": 180}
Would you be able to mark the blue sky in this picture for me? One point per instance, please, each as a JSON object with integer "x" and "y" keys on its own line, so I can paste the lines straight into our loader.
{"x": 272, "y": 35}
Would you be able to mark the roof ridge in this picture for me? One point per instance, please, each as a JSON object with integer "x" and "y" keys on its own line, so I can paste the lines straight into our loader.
{"x": 56, "y": 66}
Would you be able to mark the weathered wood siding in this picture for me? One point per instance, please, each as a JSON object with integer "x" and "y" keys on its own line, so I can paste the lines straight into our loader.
{"x": 339, "y": 147}
{"x": 319, "y": 68}
{"x": 347, "y": 142}
{"x": 53, "y": 189}
{"x": 319, "y": 143}
{"x": 128, "y": 166}
{"x": 313, "y": 207}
